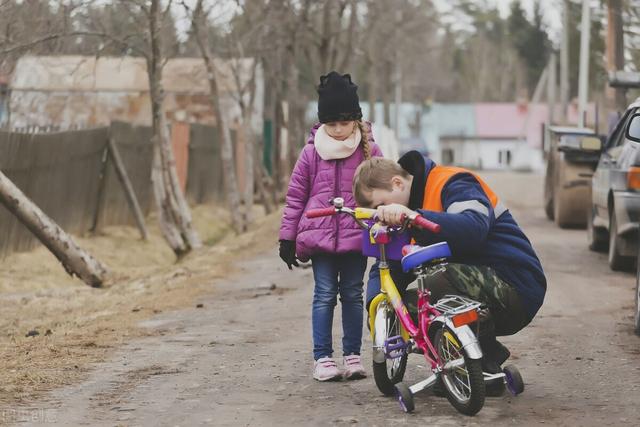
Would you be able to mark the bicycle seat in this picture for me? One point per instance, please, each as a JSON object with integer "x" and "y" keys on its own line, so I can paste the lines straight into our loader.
{"x": 417, "y": 255}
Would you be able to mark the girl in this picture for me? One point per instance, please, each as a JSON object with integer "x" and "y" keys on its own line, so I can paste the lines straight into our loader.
{"x": 325, "y": 169}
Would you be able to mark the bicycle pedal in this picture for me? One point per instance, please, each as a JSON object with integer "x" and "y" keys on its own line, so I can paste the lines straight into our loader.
{"x": 395, "y": 347}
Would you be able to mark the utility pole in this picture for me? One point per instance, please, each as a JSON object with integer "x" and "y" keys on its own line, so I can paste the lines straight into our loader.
{"x": 616, "y": 99}
{"x": 552, "y": 85}
{"x": 583, "y": 80}
{"x": 398, "y": 81}
{"x": 564, "y": 64}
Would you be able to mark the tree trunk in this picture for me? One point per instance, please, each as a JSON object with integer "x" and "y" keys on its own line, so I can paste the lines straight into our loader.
{"x": 294, "y": 133}
{"x": 372, "y": 93}
{"x": 127, "y": 187}
{"x": 249, "y": 186}
{"x": 387, "y": 94}
{"x": 263, "y": 180}
{"x": 230, "y": 181}
{"x": 175, "y": 216}
{"x": 74, "y": 260}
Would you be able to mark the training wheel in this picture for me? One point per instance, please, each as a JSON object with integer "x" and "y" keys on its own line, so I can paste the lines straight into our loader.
{"x": 513, "y": 379}
{"x": 405, "y": 397}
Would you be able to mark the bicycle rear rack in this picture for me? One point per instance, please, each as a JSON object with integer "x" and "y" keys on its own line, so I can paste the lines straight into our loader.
{"x": 450, "y": 305}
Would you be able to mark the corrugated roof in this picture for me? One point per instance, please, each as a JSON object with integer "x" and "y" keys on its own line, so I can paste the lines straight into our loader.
{"x": 107, "y": 74}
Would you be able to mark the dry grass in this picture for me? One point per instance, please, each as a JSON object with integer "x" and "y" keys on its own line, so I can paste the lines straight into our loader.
{"x": 79, "y": 325}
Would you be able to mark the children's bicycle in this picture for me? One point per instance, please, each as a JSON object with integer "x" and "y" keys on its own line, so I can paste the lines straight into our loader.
{"x": 444, "y": 333}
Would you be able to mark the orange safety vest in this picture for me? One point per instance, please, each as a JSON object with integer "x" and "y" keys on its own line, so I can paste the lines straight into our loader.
{"x": 438, "y": 178}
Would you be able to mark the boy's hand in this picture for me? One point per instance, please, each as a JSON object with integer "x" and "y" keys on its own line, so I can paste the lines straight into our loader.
{"x": 394, "y": 214}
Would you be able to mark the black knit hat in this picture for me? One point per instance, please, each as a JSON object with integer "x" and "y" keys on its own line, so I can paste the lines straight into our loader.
{"x": 338, "y": 99}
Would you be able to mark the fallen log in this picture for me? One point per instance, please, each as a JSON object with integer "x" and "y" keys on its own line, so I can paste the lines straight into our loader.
{"x": 74, "y": 259}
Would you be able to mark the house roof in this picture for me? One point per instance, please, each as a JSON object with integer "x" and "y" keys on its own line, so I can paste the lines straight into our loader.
{"x": 120, "y": 74}
{"x": 572, "y": 130}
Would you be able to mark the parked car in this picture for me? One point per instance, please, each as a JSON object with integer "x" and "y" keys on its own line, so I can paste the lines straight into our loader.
{"x": 572, "y": 155}
{"x": 614, "y": 215}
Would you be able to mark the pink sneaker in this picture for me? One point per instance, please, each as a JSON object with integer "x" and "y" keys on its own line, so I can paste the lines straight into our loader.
{"x": 325, "y": 369}
{"x": 353, "y": 369}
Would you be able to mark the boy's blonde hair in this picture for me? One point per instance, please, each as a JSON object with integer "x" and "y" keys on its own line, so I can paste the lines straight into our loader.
{"x": 375, "y": 173}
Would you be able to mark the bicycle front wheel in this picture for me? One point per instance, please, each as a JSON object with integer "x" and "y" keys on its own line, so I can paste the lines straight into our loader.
{"x": 390, "y": 372}
{"x": 465, "y": 381}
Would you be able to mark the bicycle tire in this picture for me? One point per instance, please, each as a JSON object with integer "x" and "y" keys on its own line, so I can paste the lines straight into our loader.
{"x": 384, "y": 381}
{"x": 475, "y": 377}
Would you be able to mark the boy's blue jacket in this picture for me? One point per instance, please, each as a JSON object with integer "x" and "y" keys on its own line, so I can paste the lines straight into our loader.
{"x": 474, "y": 234}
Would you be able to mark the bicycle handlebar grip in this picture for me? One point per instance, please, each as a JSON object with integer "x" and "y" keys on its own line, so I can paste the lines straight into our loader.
{"x": 425, "y": 224}
{"x": 315, "y": 213}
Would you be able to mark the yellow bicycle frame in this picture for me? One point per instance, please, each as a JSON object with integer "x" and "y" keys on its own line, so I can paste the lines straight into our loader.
{"x": 390, "y": 293}
{"x": 388, "y": 289}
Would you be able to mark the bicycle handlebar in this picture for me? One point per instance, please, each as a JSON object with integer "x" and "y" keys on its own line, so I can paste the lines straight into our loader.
{"x": 315, "y": 213}
{"x": 422, "y": 222}
{"x": 418, "y": 221}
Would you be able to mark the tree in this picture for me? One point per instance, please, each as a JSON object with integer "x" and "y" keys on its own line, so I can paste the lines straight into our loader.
{"x": 198, "y": 25}
{"x": 482, "y": 51}
{"x": 597, "y": 67}
{"x": 144, "y": 32}
{"x": 530, "y": 40}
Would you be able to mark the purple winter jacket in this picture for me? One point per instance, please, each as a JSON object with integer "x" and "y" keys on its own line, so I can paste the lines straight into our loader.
{"x": 313, "y": 183}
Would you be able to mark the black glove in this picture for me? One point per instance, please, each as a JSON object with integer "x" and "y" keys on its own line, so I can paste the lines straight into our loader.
{"x": 288, "y": 253}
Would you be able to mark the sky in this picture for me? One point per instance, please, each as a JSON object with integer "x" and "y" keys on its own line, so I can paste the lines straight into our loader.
{"x": 551, "y": 11}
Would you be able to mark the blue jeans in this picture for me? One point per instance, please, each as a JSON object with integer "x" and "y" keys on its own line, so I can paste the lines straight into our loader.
{"x": 337, "y": 274}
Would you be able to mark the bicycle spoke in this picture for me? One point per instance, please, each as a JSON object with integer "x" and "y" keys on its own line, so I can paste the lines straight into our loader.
{"x": 462, "y": 383}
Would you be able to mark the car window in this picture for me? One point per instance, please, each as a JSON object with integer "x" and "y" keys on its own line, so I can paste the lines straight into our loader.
{"x": 617, "y": 137}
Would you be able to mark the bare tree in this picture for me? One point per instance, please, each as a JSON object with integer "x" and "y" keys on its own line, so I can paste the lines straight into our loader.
{"x": 198, "y": 22}
{"x": 175, "y": 215}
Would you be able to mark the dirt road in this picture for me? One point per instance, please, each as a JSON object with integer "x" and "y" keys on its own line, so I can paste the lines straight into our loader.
{"x": 244, "y": 358}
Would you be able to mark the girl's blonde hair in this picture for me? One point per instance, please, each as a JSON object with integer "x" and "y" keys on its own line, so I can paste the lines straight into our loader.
{"x": 375, "y": 173}
{"x": 364, "y": 140}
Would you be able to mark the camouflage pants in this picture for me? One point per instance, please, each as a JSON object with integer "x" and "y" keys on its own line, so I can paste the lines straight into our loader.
{"x": 482, "y": 284}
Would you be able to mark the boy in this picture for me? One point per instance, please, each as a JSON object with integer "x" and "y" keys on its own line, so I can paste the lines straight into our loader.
{"x": 493, "y": 261}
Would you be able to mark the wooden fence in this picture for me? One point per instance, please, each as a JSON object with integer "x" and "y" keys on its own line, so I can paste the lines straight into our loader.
{"x": 70, "y": 177}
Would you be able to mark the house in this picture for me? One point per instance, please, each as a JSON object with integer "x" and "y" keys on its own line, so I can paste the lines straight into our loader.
{"x": 88, "y": 91}
{"x": 473, "y": 135}
{"x": 505, "y": 136}
{"x": 73, "y": 92}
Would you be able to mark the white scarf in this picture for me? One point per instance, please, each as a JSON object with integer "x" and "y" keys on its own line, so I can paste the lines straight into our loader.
{"x": 331, "y": 149}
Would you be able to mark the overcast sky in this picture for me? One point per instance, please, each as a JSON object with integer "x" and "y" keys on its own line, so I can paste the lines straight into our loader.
{"x": 551, "y": 11}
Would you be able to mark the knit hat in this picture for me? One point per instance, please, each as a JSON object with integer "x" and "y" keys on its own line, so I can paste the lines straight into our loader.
{"x": 338, "y": 99}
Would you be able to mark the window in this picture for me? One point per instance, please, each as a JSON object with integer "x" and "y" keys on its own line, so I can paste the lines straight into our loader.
{"x": 447, "y": 156}
{"x": 504, "y": 157}
{"x": 617, "y": 136}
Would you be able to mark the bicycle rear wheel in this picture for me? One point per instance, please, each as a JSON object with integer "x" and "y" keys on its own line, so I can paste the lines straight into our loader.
{"x": 464, "y": 383}
{"x": 390, "y": 372}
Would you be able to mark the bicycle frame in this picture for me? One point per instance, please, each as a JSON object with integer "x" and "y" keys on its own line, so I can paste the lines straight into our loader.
{"x": 418, "y": 333}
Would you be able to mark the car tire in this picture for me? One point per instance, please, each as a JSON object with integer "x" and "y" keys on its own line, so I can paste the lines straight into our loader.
{"x": 636, "y": 317}
{"x": 548, "y": 188}
{"x": 548, "y": 198}
{"x": 596, "y": 236}
{"x": 562, "y": 210}
{"x": 548, "y": 208}
{"x": 617, "y": 262}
